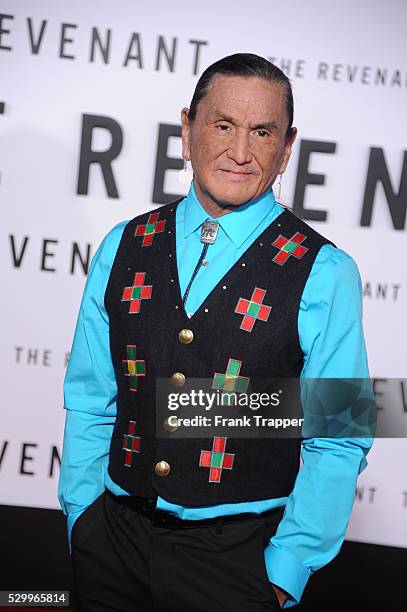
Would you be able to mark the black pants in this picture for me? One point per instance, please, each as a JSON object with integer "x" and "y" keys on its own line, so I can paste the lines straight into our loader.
{"x": 123, "y": 563}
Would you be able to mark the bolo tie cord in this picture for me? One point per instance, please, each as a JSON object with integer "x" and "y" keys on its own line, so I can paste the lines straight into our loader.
{"x": 195, "y": 272}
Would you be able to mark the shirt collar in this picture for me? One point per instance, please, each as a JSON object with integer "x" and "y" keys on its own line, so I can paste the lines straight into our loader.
{"x": 238, "y": 224}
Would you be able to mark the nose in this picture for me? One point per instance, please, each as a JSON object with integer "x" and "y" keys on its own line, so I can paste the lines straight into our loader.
{"x": 239, "y": 149}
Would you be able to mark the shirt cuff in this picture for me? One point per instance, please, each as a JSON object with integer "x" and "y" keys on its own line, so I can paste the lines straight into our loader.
{"x": 287, "y": 572}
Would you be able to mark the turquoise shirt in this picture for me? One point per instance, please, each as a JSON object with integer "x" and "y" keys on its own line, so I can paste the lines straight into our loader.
{"x": 330, "y": 330}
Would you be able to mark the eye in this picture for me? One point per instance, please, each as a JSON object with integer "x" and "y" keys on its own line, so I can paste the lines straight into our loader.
{"x": 262, "y": 133}
{"x": 222, "y": 127}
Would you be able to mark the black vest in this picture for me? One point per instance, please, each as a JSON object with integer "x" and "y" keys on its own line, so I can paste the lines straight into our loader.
{"x": 146, "y": 314}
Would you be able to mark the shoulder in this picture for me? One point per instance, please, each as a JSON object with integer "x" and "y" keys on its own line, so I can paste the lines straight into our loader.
{"x": 111, "y": 241}
{"x": 334, "y": 274}
{"x": 107, "y": 249}
{"x": 332, "y": 262}
{"x": 336, "y": 263}
{"x": 159, "y": 213}
{"x": 304, "y": 228}
{"x": 336, "y": 257}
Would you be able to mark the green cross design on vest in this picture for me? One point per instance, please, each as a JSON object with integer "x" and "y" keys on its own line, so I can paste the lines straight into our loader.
{"x": 253, "y": 309}
{"x": 137, "y": 292}
{"x": 149, "y": 229}
{"x": 131, "y": 443}
{"x": 288, "y": 247}
{"x": 216, "y": 459}
{"x": 231, "y": 381}
{"x": 133, "y": 368}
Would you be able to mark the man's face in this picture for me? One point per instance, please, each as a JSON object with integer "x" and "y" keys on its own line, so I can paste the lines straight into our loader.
{"x": 238, "y": 141}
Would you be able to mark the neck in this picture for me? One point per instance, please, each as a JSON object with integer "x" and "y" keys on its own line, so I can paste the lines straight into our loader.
{"x": 213, "y": 207}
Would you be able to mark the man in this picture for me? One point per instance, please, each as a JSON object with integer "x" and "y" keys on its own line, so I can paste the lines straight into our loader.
{"x": 228, "y": 524}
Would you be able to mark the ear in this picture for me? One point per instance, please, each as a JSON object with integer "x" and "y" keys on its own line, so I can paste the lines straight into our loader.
{"x": 287, "y": 149}
{"x": 186, "y": 154}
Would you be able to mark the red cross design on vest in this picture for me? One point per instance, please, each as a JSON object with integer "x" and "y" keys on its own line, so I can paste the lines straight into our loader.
{"x": 288, "y": 247}
{"x": 131, "y": 443}
{"x": 216, "y": 459}
{"x": 231, "y": 381}
{"x": 133, "y": 367}
{"x": 137, "y": 292}
{"x": 253, "y": 309}
{"x": 149, "y": 229}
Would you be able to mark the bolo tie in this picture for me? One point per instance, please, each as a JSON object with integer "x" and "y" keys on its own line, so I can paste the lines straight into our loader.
{"x": 209, "y": 231}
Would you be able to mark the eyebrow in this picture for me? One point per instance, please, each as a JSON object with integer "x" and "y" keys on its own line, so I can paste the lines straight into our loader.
{"x": 219, "y": 116}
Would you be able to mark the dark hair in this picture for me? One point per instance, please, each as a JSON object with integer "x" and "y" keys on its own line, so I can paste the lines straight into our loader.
{"x": 245, "y": 65}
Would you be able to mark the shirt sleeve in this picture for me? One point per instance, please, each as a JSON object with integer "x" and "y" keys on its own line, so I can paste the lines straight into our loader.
{"x": 89, "y": 392}
{"x": 319, "y": 507}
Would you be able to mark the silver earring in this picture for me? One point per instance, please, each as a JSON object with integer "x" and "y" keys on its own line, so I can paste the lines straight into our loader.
{"x": 185, "y": 175}
{"x": 279, "y": 187}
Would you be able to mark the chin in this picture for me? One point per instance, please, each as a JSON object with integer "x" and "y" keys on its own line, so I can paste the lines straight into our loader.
{"x": 232, "y": 195}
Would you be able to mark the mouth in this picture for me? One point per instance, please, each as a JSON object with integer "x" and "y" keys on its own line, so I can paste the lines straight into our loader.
{"x": 236, "y": 176}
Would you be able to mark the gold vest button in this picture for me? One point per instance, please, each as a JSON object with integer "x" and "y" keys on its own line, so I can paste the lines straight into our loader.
{"x": 170, "y": 425}
{"x": 186, "y": 336}
{"x": 178, "y": 379}
{"x": 162, "y": 468}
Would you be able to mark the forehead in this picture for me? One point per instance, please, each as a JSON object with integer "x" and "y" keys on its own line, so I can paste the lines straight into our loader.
{"x": 250, "y": 98}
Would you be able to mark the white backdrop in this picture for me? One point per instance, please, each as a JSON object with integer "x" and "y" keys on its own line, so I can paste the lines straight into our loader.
{"x": 332, "y": 51}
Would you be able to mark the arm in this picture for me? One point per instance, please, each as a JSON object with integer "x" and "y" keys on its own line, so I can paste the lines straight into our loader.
{"x": 331, "y": 336}
{"x": 89, "y": 392}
